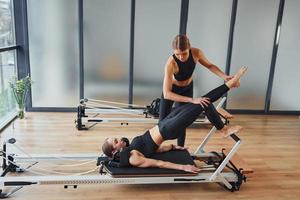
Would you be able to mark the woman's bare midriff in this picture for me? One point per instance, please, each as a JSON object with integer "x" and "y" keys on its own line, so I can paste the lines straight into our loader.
{"x": 156, "y": 135}
{"x": 182, "y": 83}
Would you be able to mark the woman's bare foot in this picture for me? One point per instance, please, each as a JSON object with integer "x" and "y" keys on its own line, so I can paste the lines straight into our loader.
{"x": 224, "y": 113}
{"x": 237, "y": 84}
{"x": 235, "y": 81}
{"x": 228, "y": 130}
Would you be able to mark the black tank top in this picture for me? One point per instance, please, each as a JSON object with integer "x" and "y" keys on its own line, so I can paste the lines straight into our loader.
{"x": 186, "y": 68}
{"x": 144, "y": 144}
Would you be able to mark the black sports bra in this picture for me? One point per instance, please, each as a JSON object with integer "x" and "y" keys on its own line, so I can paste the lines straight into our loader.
{"x": 144, "y": 144}
{"x": 186, "y": 68}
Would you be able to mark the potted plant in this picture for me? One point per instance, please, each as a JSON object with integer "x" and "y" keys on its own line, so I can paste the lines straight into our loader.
{"x": 20, "y": 89}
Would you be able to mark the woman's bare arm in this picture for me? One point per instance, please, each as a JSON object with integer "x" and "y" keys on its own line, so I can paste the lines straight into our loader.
{"x": 212, "y": 67}
{"x": 140, "y": 161}
{"x": 169, "y": 147}
{"x": 164, "y": 148}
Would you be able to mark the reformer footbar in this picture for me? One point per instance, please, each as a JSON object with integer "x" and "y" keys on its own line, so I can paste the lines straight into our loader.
{"x": 213, "y": 170}
{"x": 139, "y": 114}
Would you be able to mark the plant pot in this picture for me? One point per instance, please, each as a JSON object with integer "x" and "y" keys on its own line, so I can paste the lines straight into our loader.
{"x": 21, "y": 113}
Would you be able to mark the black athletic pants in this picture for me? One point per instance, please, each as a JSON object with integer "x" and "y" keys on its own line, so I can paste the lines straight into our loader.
{"x": 172, "y": 126}
{"x": 165, "y": 107}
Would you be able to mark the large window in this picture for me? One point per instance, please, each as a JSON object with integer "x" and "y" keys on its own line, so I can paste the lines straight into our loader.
{"x": 286, "y": 85}
{"x": 52, "y": 50}
{"x": 7, "y": 62}
{"x": 252, "y": 46}
{"x": 154, "y": 32}
{"x": 53, "y": 43}
{"x": 106, "y": 49}
{"x": 211, "y": 36}
{"x": 7, "y": 36}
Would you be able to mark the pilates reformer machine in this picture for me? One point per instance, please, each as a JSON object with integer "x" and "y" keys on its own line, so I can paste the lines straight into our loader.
{"x": 88, "y": 112}
{"x": 217, "y": 167}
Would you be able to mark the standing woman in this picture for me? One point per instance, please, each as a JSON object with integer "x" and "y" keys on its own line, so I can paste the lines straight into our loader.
{"x": 178, "y": 80}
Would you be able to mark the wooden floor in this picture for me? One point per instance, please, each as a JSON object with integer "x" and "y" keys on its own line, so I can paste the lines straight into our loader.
{"x": 271, "y": 145}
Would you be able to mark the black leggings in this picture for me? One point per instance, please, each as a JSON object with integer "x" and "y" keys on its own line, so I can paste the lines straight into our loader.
{"x": 172, "y": 126}
{"x": 165, "y": 107}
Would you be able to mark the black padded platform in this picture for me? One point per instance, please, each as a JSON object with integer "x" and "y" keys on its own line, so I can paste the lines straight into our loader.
{"x": 177, "y": 156}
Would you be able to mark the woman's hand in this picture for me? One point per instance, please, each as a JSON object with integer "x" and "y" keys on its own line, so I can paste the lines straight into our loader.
{"x": 203, "y": 101}
{"x": 227, "y": 78}
{"x": 175, "y": 147}
{"x": 191, "y": 168}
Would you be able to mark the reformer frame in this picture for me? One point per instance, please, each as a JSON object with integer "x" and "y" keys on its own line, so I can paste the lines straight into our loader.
{"x": 209, "y": 173}
{"x": 90, "y": 106}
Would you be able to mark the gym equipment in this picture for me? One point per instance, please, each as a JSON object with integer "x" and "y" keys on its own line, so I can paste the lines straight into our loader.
{"x": 216, "y": 167}
{"x": 148, "y": 114}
